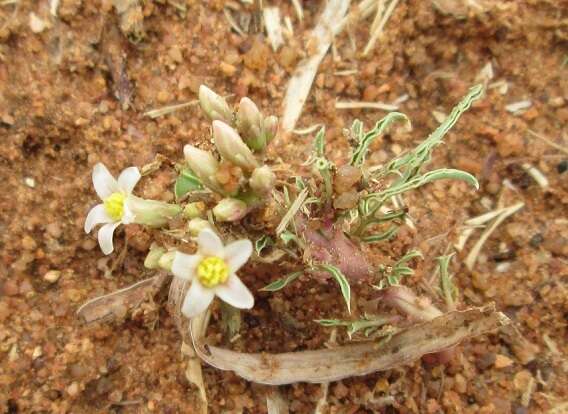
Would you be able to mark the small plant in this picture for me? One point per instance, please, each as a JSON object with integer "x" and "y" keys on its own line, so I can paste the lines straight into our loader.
{"x": 299, "y": 225}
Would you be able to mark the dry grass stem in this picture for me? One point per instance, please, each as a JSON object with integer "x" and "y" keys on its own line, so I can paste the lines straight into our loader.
{"x": 548, "y": 141}
{"x": 380, "y": 26}
{"x": 156, "y": 113}
{"x": 365, "y": 105}
{"x": 329, "y": 25}
{"x": 474, "y": 253}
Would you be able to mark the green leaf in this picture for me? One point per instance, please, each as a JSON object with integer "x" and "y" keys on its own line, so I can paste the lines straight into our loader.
{"x": 412, "y": 162}
{"x": 402, "y": 187}
{"x": 449, "y": 174}
{"x": 288, "y": 236}
{"x": 300, "y": 184}
{"x": 368, "y": 324}
{"x": 262, "y": 243}
{"x": 378, "y": 237}
{"x": 281, "y": 283}
{"x": 408, "y": 257}
{"x": 319, "y": 143}
{"x": 331, "y": 322}
{"x": 185, "y": 183}
{"x": 449, "y": 290}
{"x": 360, "y": 153}
{"x": 341, "y": 280}
{"x": 357, "y": 130}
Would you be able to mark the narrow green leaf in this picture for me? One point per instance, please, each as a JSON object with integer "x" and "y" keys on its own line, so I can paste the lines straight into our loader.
{"x": 319, "y": 143}
{"x": 281, "y": 283}
{"x": 288, "y": 236}
{"x": 449, "y": 174}
{"x": 408, "y": 257}
{"x": 412, "y": 162}
{"x": 367, "y": 324}
{"x": 300, "y": 184}
{"x": 330, "y": 322}
{"x": 360, "y": 153}
{"x": 449, "y": 290}
{"x": 185, "y": 183}
{"x": 373, "y": 238}
{"x": 262, "y": 243}
{"x": 357, "y": 130}
{"x": 341, "y": 280}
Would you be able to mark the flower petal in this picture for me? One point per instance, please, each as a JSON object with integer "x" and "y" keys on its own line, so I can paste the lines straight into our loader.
{"x": 104, "y": 182}
{"x": 128, "y": 215}
{"x": 105, "y": 237}
{"x": 235, "y": 293}
{"x": 128, "y": 179}
{"x": 209, "y": 243}
{"x": 184, "y": 265}
{"x": 197, "y": 299}
{"x": 237, "y": 254}
{"x": 97, "y": 215}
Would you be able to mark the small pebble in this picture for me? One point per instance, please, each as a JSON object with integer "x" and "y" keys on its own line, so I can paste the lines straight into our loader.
{"x": 37, "y": 352}
{"x": 30, "y": 182}
{"x": 502, "y": 361}
{"x": 73, "y": 389}
{"x": 562, "y": 167}
{"x": 52, "y": 276}
{"x": 10, "y": 288}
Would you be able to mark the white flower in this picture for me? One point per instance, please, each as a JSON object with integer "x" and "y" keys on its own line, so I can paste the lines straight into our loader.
{"x": 114, "y": 210}
{"x": 212, "y": 271}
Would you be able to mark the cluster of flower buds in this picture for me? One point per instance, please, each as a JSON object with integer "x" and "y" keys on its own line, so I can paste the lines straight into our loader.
{"x": 240, "y": 176}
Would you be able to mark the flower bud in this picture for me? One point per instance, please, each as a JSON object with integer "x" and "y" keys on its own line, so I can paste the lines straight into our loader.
{"x": 270, "y": 128}
{"x": 262, "y": 180}
{"x": 196, "y": 225}
{"x": 151, "y": 213}
{"x": 153, "y": 257}
{"x": 204, "y": 165}
{"x": 214, "y": 105}
{"x": 167, "y": 260}
{"x": 193, "y": 210}
{"x": 231, "y": 146}
{"x": 249, "y": 124}
{"x": 230, "y": 209}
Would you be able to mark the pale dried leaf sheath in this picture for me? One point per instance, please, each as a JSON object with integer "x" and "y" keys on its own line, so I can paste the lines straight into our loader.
{"x": 328, "y": 26}
{"x": 117, "y": 304}
{"x": 276, "y": 403}
{"x": 352, "y": 360}
{"x": 178, "y": 289}
{"x": 273, "y": 27}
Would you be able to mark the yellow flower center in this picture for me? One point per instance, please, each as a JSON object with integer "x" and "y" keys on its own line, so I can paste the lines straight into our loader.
{"x": 212, "y": 271}
{"x": 114, "y": 205}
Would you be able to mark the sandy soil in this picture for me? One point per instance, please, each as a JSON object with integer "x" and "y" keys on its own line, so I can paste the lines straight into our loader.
{"x": 75, "y": 93}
